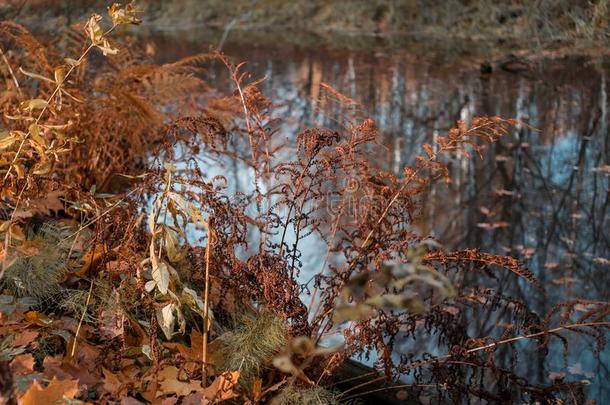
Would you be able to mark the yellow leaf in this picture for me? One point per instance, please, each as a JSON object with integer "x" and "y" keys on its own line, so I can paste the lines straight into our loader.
{"x": 107, "y": 49}
{"x": 60, "y": 75}
{"x": 19, "y": 170}
{"x": 34, "y": 104}
{"x": 123, "y": 15}
{"x": 93, "y": 29}
{"x": 36, "y": 76}
{"x": 37, "y": 318}
{"x": 34, "y": 130}
{"x": 92, "y": 257}
{"x": 7, "y": 141}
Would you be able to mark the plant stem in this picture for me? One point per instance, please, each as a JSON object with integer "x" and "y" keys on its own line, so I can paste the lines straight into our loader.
{"x": 82, "y": 318}
{"x": 206, "y": 294}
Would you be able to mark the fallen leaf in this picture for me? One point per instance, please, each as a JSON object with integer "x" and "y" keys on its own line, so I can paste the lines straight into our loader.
{"x": 196, "y": 398}
{"x": 130, "y": 401}
{"x": 62, "y": 368}
{"x": 112, "y": 383}
{"x": 172, "y": 385}
{"x": 37, "y": 318}
{"x": 55, "y": 393}
{"x": 22, "y": 364}
{"x": 47, "y": 204}
{"x": 111, "y": 318}
{"x": 222, "y": 387}
{"x": 91, "y": 258}
{"x": 195, "y": 353}
{"x": 25, "y": 338}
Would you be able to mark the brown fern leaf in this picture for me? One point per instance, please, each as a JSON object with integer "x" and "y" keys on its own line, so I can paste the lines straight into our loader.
{"x": 476, "y": 256}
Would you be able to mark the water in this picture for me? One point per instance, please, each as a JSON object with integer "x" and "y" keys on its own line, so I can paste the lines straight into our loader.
{"x": 540, "y": 194}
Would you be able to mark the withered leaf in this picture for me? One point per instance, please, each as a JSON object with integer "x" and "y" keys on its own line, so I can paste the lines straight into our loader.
{"x": 55, "y": 393}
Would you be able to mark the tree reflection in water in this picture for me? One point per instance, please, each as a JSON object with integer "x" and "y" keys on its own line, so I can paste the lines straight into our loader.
{"x": 540, "y": 194}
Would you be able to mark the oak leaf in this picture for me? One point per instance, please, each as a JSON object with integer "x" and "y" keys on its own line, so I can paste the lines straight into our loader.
{"x": 45, "y": 205}
{"x": 172, "y": 385}
{"x": 63, "y": 368}
{"x": 25, "y": 338}
{"x": 22, "y": 364}
{"x": 55, "y": 393}
{"x": 222, "y": 387}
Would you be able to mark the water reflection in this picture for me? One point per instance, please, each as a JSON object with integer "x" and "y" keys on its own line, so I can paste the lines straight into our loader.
{"x": 540, "y": 193}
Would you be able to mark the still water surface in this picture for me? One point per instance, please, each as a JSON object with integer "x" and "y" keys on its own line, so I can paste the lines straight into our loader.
{"x": 540, "y": 194}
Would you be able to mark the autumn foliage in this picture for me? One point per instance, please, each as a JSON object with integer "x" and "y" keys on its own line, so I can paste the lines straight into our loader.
{"x": 130, "y": 270}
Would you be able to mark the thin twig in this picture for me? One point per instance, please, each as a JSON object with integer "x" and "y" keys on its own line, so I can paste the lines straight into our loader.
{"x": 485, "y": 347}
{"x": 82, "y": 318}
{"x": 7, "y": 238}
{"x": 206, "y": 293}
{"x": 393, "y": 387}
{"x": 10, "y": 70}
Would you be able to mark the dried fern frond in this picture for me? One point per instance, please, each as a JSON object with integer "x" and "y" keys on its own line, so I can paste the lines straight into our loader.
{"x": 486, "y": 259}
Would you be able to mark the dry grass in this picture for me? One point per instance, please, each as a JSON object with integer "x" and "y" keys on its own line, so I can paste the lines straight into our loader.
{"x": 40, "y": 264}
{"x": 305, "y": 396}
{"x": 251, "y": 346}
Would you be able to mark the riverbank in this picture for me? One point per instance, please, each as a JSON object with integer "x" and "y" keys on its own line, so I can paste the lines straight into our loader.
{"x": 557, "y": 27}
